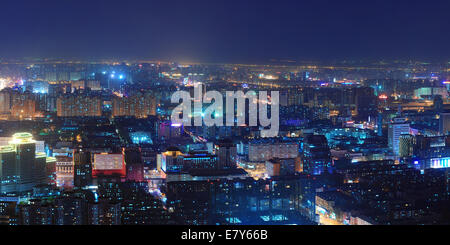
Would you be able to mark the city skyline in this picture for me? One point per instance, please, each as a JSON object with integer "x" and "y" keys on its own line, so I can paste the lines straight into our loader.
{"x": 224, "y": 119}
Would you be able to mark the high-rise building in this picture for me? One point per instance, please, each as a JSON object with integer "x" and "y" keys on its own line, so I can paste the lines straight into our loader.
{"x": 70, "y": 210}
{"x": 380, "y": 125}
{"x": 438, "y": 103}
{"x": 226, "y": 152}
{"x": 50, "y": 170}
{"x": 134, "y": 165}
{"x": 36, "y": 213}
{"x": 82, "y": 168}
{"x": 430, "y": 91}
{"x": 23, "y": 106}
{"x": 316, "y": 156}
{"x": 8, "y": 214}
{"x": 406, "y": 145}
{"x": 5, "y": 102}
{"x": 139, "y": 105}
{"x": 78, "y": 105}
{"x": 261, "y": 151}
{"x": 189, "y": 201}
{"x": 396, "y": 129}
{"x": 366, "y": 104}
{"x": 278, "y": 200}
{"x": 444, "y": 123}
{"x": 8, "y": 178}
{"x": 21, "y": 168}
{"x": 103, "y": 212}
{"x": 64, "y": 172}
{"x": 172, "y": 160}
{"x": 167, "y": 130}
{"x": 273, "y": 167}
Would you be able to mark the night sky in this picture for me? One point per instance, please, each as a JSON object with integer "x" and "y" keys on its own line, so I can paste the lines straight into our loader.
{"x": 226, "y": 31}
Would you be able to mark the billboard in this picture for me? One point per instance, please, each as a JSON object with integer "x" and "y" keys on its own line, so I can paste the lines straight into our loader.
{"x": 108, "y": 164}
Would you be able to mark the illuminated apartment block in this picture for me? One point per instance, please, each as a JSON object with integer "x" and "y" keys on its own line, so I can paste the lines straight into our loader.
{"x": 79, "y": 106}
{"x": 140, "y": 105}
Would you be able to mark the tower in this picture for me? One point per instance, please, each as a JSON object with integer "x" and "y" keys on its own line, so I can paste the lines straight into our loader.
{"x": 21, "y": 168}
{"x": 444, "y": 123}
{"x": 396, "y": 129}
{"x": 82, "y": 168}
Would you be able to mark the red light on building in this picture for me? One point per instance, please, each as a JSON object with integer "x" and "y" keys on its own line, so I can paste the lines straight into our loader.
{"x": 383, "y": 97}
